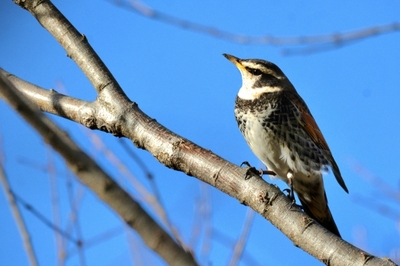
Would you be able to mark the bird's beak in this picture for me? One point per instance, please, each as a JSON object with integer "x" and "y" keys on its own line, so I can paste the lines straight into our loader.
{"x": 235, "y": 60}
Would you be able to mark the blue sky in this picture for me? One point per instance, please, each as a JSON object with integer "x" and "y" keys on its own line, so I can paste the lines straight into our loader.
{"x": 180, "y": 78}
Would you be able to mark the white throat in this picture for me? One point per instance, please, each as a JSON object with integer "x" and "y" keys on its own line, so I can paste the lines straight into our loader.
{"x": 247, "y": 93}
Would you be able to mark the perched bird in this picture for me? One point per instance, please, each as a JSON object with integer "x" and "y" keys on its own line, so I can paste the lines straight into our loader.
{"x": 282, "y": 133}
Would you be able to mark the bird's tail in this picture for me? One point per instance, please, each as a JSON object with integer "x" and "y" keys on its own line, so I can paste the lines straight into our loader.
{"x": 317, "y": 208}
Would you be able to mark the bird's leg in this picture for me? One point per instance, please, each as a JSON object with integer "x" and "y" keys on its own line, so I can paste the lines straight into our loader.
{"x": 250, "y": 171}
{"x": 267, "y": 172}
{"x": 290, "y": 192}
{"x": 290, "y": 195}
{"x": 260, "y": 172}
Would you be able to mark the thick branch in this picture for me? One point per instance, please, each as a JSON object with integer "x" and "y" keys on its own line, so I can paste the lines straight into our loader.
{"x": 123, "y": 118}
{"x": 94, "y": 177}
{"x": 75, "y": 43}
{"x": 180, "y": 154}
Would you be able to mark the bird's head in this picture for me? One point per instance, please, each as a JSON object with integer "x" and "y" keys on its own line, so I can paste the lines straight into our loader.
{"x": 259, "y": 77}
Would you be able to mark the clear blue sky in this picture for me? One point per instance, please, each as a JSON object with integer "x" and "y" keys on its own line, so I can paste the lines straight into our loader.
{"x": 180, "y": 78}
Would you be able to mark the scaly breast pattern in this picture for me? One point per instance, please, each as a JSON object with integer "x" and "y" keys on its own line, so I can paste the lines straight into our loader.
{"x": 271, "y": 127}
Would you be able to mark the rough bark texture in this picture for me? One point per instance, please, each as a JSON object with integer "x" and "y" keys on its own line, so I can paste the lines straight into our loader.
{"x": 96, "y": 179}
{"x": 113, "y": 112}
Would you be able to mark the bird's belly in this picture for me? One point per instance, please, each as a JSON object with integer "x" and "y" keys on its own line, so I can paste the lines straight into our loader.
{"x": 271, "y": 143}
{"x": 279, "y": 159}
{"x": 266, "y": 147}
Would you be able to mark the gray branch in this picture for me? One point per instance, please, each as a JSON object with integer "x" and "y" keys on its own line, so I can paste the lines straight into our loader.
{"x": 113, "y": 112}
{"x": 309, "y": 43}
{"x": 96, "y": 179}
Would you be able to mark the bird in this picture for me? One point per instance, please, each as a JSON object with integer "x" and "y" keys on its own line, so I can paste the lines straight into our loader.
{"x": 281, "y": 131}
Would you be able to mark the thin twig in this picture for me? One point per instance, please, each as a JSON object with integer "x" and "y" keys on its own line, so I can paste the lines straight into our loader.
{"x": 380, "y": 208}
{"x": 44, "y": 220}
{"x": 94, "y": 177}
{"x": 205, "y": 205}
{"x": 377, "y": 183}
{"x": 314, "y": 43}
{"x": 137, "y": 159}
{"x": 55, "y": 206}
{"x": 97, "y": 239}
{"x": 150, "y": 199}
{"x": 74, "y": 200}
{"x": 135, "y": 252}
{"x": 241, "y": 242}
{"x": 17, "y": 214}
{"x": 170, "y": 149}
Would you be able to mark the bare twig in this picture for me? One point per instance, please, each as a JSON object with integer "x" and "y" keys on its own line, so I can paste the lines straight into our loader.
{"x": 44, "y": 220}
{"x": 202, "y": 229}
{"x": 94, "y": 177}
{"x": 17, "y": 215}
{"x": 381, "y": 208}
{"x": 137, "y": 258}
{"x": 96, "y": 240}
{"x": 241, "y": 243}
{"x": 193, "y": 160}
{"x": 113, "y": 112}
{"x": 74, "y": 218}
{"x": 146, "y": 196}
{"x": 139, "y": 161}
{"x": 313, "y": 43}
{"x": 54, "y": 200}
{"x": 377, "y": 183}
{"x": 382, "y": 189}
{"x": 205, "y": 205}
{"x": 227, "y": 241}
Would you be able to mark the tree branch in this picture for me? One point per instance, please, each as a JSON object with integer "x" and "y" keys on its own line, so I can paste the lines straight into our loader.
{"x": 113, "y": 112}
{"x": 18, "y": 217}
{"x": 96, "y": 179}
{"x": 311, "y": 43}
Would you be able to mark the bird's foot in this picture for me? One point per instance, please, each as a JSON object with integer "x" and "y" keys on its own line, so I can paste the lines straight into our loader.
{"x": 253, "y": 170}
{"x": 245, "y": 163}
{"x": 290, "y": 195}
{"x": 294, "y": 204}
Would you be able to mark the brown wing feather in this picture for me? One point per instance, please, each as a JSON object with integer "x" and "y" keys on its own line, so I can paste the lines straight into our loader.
{"x": 312, "y": 129}
{"x": 308, "y": 121}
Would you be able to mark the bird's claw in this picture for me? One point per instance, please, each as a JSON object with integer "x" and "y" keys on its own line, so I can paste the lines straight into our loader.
{"x": 294, "y": 204}
{"x": 251, "y": 171}
{"x": 290, "y": 195}
{"x": 260, "y": 172}
{"x": 245, "y": 163}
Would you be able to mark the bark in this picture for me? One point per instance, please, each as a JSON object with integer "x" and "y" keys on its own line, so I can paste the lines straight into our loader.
{"x": 87, "y": 170}
{"x": 113, "y": 112}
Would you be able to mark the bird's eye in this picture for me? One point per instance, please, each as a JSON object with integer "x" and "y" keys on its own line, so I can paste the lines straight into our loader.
{"x": 254, "y": 71}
